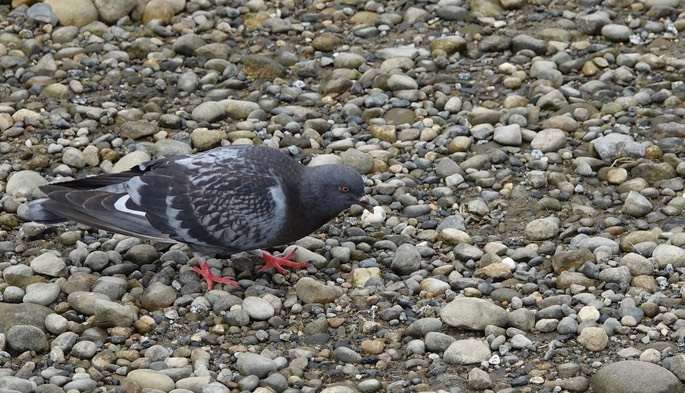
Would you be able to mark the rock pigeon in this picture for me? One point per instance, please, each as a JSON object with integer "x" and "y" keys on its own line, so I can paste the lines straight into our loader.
{"x": 222, "y": 201}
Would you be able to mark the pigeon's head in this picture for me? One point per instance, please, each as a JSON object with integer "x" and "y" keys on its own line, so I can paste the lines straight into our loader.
{"x": 340, "y": 187}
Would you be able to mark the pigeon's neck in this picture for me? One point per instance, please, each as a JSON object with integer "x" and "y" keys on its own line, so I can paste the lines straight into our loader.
{"x": 313, "y": 202}
{"x": 305, "y": 210}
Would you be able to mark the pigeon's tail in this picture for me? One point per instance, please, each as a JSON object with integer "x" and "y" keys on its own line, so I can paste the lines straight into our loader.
{"x": 38, "y": 213}
{"x": 110, "y": 211}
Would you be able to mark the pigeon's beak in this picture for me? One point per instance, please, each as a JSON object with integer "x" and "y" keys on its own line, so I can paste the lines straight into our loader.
{"x": 365, "y": 203}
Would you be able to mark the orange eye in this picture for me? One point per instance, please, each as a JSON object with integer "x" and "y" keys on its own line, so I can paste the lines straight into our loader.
{"x": 344, "y": 188}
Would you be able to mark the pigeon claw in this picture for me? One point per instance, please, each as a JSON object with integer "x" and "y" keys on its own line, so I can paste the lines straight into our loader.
{"x": 278, "y": 262}
{"x": 210, "y": 278}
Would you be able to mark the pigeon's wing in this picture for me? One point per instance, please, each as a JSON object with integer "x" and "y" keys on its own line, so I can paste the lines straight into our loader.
{"x": 226, "y": 200}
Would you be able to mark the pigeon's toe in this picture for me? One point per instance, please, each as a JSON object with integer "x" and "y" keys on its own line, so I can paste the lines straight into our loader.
{"x": 278, "y": 262}
{"x": 210, "y": 278}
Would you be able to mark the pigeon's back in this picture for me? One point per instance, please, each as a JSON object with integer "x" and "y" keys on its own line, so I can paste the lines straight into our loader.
{"x": 226, "y": 200}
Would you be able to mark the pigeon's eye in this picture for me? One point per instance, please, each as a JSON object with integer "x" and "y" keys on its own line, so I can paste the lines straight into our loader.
{"x": 344, "y": 188}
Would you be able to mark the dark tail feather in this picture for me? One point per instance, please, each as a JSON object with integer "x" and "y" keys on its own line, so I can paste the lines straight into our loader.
{"x": 95, "y": 209}
{"x": 39, "y": 214}
{"x": 108, "y": 182}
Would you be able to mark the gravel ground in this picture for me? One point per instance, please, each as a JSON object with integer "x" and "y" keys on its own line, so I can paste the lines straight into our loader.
{"x": 525, "y": 160}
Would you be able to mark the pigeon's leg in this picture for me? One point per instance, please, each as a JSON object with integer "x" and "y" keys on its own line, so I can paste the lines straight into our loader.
{"x": 278, "y": 262}
{"x": 210, "y": 278}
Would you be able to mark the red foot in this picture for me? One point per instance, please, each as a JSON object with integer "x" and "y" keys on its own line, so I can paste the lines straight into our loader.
{"x": 278, "y": 262}
{"x": 203, "y": 270}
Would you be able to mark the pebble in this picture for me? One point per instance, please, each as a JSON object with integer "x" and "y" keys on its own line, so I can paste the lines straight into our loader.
{"x": 646, "y": 376}
{"x": 254, "y": 364}
{"x": 593, "y": 338}
{"x": 50, "y": 265}
{"x": 41, "y": 293}
{"x": 469, "y": 351}
{"x": 258, "y": 308}
{"x": 407, "y": 259}
{"x": 158, "y": 296}
{"x": 311, "y": 291}
{"x": 151, "y": 379}
{"x": 21, "y": 338}
{"x": 24, "y": 183}
{"x": 541, "y": 193}
{"x": 473, "y": 314}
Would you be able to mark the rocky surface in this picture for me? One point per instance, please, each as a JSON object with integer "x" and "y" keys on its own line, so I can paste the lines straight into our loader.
{"x": 525, "y": 160}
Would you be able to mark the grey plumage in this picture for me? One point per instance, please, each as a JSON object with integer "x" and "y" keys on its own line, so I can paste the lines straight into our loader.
{"x": 222, "y": 201}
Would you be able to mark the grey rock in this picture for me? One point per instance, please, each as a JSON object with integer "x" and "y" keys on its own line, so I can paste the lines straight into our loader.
{"x": 407, "y": 259}
{"x": 158, "y": 296}
{"x": 14, "y": 384}
{"x": 85, "y": 302}
{"x": 24, "y": 183}
{"x": 509, "y": 135}
{"x": 567, "y": 325}
{"x": 13, "y": 294}
{"x": 401, "y": 82}
{"x": 73, "y": 157}
{"x": 248, "y": 383}
{"x": 677, "y": 366}
{"x": 258, "y": 308}
{"x": 360, "y": 161}
{"x": 312, "y": 291}
{"x": 616, "y": 32}
{"x": 524, "y": 41}
{"x": 632, "y": 376}
{"x": 254, "y": 364}
{"x": 81, "y": 385}
{"x": 438, "y": 342}
{"x": 479, "y": 379}
{"x": 541, "y": 229}
{"x": 636, "y": 205}
{"x": 369, "y": 386}
{"x": 593, "y": 23}
{"x": 84, "y": 349}
{"x": 275, "y": 381}
{"x": 130, "y": 160}
{"x": 346, "y": 355}
{"x": 110, "y": 314}
{"x": 49, "y": 264}
{"x": 151, "y": 379}
{"x": 42, "y": 13}
{"x": 616, "y": 145}
{"x": 210, "y": 112}
{"x": 187, "y": 44}
{"x": 188, "y": 82}
{"x": 138, "y": 129}
{"x": 41, "y": 293}
{"x": 64, "y": 341}
{"x": 522, "y": 318}
{"x": 21, "y": 338}
{"x": 97, "y": 260}
{"x": 619, "y": 275}
{"x": 113, "y": 287}
{"x": 519, "y": 341}
{"x": 56, "y": 324}
{"x": 421, "y": 327}
{"x": 666, "y": 254}
{"x": 473, "y": 314}
{"x": 549, "y": 140}
{"x": 111, "y": 11}
{"x": 470, "y": 351}
{"x": 22, "y": 314}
